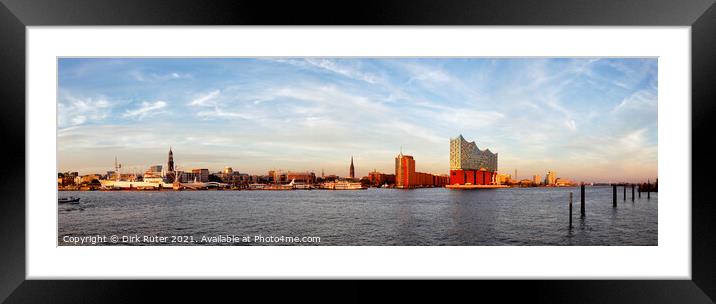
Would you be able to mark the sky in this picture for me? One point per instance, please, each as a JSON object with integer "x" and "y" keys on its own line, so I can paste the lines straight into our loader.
{"x": 587, "y": 119}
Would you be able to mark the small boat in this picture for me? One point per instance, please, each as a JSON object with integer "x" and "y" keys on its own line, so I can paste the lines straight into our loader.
{"x": 71, "y": 200}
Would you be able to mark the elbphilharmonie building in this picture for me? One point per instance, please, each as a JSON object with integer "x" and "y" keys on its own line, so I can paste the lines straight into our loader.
{"x": 470, "y": 165}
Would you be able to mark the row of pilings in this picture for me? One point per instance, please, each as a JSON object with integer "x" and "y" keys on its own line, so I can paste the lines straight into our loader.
{"x": 634, "y": 189}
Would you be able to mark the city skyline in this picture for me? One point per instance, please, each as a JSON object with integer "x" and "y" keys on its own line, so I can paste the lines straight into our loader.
{"x": 584, "y": 118}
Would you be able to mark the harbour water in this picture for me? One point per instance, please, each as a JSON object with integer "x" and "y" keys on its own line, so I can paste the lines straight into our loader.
{"x": 426, "y": 217}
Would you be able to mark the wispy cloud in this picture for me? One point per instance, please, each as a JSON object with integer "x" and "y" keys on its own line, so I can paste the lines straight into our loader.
{"x": 146, "y": 109}
{"x": 204, "y": 100}
{"x": 331, "y": 65}
{"x": 214, "y": 108}
{"x": 72, "y": 111}
{"x": 432, "y": 74}
{"x": 639, "y": 100}
{"x": 150, "y": 77}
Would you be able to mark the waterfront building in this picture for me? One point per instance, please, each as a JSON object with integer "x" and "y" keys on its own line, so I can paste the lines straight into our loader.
{"x": 331, "y": 177}
{"x": 404, "y": 171}
{"x": 550, "y": 179}
{"x": 536, "y": 179}
{"x": 277, "y": 177}
{"x": 67, "y": 178}
{"x": 407, "y": 177}
{"x": 430, "y": 180}
{"x": 502, "y": 178}
{"x": 187, "y": 177}
{"x": 470, "y": 165}
{"x": 302, "y": 177}
{"x": 525, "y": 183}
{"x": 202, "y": 174}
{"x": 86, "y": 179}
{"x": 259, "y": 179}
{"x": 378, "y": 179}
{"x": 243, "y": 177}
{"x": 352, "y": 173}
{"x": 233, "y": 178}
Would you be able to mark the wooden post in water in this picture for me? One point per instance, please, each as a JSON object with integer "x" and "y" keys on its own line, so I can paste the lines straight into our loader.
{"x": 638, "y": 189}
{"x": 648, "y": 192}
{"x": 624, "y": 191}
{"x": 570, "y": 210}
{"x": 582, "y": 198}
{"x": 614, "y": 195}
{"x": 632, "y": 192}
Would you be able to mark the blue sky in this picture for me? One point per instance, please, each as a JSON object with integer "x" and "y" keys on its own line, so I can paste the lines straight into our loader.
{"x": 585, "y": 118}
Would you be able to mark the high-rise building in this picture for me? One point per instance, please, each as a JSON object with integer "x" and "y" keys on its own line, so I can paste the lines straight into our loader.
{"x": 352, "y": 172}
{"x": 470, "y": 165}
{"x": 404, "y": 171}
{"x": 550, "y": 179}
{"x": 202, "y": 175}
{"x": 407, "y": 177}
{"x": 536, "y": 179}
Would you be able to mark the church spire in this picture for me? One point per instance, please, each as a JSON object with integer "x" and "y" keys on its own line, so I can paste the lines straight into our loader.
{"x": 170, "y": 161}
{"x": 352, "y": 169}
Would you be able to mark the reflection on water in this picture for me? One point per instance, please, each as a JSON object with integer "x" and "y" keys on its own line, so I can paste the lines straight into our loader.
{"x": 519, "y": 216}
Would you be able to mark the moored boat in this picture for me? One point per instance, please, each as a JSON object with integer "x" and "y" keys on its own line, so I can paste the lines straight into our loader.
{"x": 343, "y": 185}
{"x": 69, "y": 200}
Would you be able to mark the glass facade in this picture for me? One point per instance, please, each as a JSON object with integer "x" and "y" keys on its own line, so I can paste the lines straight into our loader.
{"x": 465, "y": 155}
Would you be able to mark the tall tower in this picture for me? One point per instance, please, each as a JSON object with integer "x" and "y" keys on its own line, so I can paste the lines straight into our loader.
{"x": 352, "y": 169}
{"x": 170, "y": 163}
{"x": 404, "y": 171}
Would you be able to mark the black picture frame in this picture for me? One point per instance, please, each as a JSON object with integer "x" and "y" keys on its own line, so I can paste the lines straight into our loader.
{"x": 15, "y": 15}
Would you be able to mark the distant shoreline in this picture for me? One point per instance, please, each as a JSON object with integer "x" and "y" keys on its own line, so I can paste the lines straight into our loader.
{"x": 316, "y": 189}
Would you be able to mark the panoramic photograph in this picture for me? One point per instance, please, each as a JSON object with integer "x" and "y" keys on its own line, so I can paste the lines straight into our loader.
{"x": 349, "y": 151}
